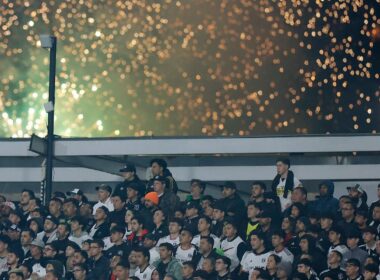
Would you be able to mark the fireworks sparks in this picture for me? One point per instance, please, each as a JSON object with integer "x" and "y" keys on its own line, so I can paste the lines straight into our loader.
{"x": 228, "y": 67}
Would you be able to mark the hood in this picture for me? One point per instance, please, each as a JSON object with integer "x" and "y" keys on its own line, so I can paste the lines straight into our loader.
{"x": 330, "y": 186}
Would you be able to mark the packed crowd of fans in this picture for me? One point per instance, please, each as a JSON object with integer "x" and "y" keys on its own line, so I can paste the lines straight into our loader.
{"x": 143, "y": 231}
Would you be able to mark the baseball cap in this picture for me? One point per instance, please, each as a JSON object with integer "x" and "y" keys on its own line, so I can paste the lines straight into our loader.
{"x": 104, "y": 188}
{"x": 52, "y": 218}
{"x": 9, "y": 204}
{"x": 38, "y": 243}
{"x": 128, "y": 168}
{"x": 75, "y": 191}
{"x": 192, "y": 204}
{"x": 14, "y": 227}
{"x": 159, "y": 178}
{"x": 357, "y": 187}
{"x": 134, "y": 186}
{"x": 354, "y": 262}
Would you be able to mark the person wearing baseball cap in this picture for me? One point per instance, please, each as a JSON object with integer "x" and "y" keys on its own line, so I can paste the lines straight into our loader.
{"x": 128, "y": 172}
{"x": 104, "y": 196}
{"x": 358, "y": 197}
{"x": 78, "y": 195}
{"x": 192, "y": 216}
{"x": 49, "y": 234}
{"x": 133, "y": 197}
{"x": 234, "y": 204}
{"x": 159, "y": 167}
{"x": 353, "y": 270}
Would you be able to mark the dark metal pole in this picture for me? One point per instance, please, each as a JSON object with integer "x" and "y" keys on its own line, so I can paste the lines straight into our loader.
{"x": 50, "y": 127}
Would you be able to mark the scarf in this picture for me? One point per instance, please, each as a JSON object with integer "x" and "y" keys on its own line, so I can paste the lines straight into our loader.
{"x": 289, "y": 183}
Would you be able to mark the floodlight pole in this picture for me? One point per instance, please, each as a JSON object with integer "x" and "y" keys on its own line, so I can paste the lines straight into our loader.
{"x": 50, "y": 127}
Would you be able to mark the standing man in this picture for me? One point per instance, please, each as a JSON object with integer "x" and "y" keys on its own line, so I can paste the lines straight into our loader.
{"x": 159, "y": 167}
{"x": 128, "y": 172}
{"x": 104, "y": 196}
{"x": 234, "y": 204}
{"x": 168, "y": 201}
{"x": 284, "y": 183}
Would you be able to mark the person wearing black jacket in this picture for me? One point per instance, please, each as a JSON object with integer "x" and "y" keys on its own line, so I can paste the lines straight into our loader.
{"x": 128, "y": 172}
{"x": 222, "y": 266}
{"x": 159, "y": 167}
{"x": 334, "y": 271}
{"x": 101, "y": 228}
{"x": 98, "y": 265}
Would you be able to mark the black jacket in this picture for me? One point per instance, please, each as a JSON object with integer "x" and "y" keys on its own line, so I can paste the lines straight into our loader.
{"x": 99, "y": 270}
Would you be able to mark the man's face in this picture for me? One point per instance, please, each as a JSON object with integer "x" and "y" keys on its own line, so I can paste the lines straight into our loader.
{"x": 48, "y": 251}
{"x": 347, "y": 210}
{"x": 187, "y": 271}
{"x": 3, "y": 246}
{"x": 323, "y": 190}
{"x": 333, "y": 237}
{"x": 191, "y": 212}
{"x": 304, "y": 245}
{"x": 158, "y": 186}
{"x": 95, "y": 250}
{"x": 217, "y": 215}
{"x": 25, "y": 198}
{"x": 204, "y": 246}
{"x": 207, "y": 265}
{"x": 220, "y": 266}
{"x": 276, "y": 240}
{"x": 54, "y": 207}
{"x": 135, "y": 226}
{"x": 149, "y": 243}
{"x": 131, "y": 193}
{"x": 353, "y": 192}
{"x": 229, "y": 230}
{"x": 117, "y": 202}
{"x": 369, "y": 275}
{"x": 351, "y": 270}
{"x": 121, "y": 272}
{"x": 14, "y": 276}
{"x": 227, "y": 192}
{"x": 62, "y": 232}
{"x": 297, "y": 196}
{"x": 281, "y": 168}
{"x": 256, "y": 191}
{"x": 156, "y": 169}
{"x": 79, "y": 273}
{"x": 12, "y": 259}
{"x": 185, "y": 237}
{"x": 203, "y": 225}
{"x": 103, "y": 195}
{"x": 196, "y": 189}
{"x": 128, "y": 175}
{"x": 256, "y": 242}
{"x": 148, "y": 204}
{"x": 78, "y": 258}
{"x": 164, "y": 253}
{"x": 360, "y": 220}
{"x": 325, "y": 223}
{"x": 301, "y": 268}
{"x": 332, "y": 258}
{"x": 49, "y": 226}
{"x": 174, "y": 228}
{"x": 367, "y": 237}
{"x": 85, "y": 210}
{"x": 26, "y": 239}
{"x": 158, "y": 217}
{"x": 100, "y": 215}
{"x": 376, "y": 213}
{"x": 34, "y": 250}
{"x": 352, "y": 242}
{"x": 116, "y": 237}
{"x": 69, "y": 209}
{"x": 139, "y": 258}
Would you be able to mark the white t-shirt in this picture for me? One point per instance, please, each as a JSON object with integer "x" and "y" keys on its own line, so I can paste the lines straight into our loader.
{"x": 107, "y": 203}
{"x": 166, "y": 239}
{"x": 185, "y": 255}
{"x": 280, "y": 189}
{"x": 250, "y": 261}
{"x": 146, "y": 274}
{"x": 197, "y": 239}
{"x": 154, "y": 255}
{"x": 285, "y": 255}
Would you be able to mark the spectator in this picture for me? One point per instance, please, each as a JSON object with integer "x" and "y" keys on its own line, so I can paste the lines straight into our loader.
{"x": 266, "y": 227}
{"x": 138, "y": 232}
{"x": 116, "y": 217}
{"x": 159, "y": 168}
{"x": 175, "y": 226}
{"x": 208, "y": 266}
{"x": 80, "y": 272}
{"x": 376, "y": 218}
{"x": 101, "y": 227}
{"x": 151, "y": 202}
{"x": 50, "y": 230}
{"x": 369, "y": 238}
{"x": 334, "y": 261}
{"x": 358, "y": 197}
{"x": 354, "y": 252}
{"x": 361, "y": 219}
{"x": 258, "y": 256}
{"x": 348, "y": 218}
{"x": 376, "y": 202}
{"x": 98, "y": 266}
{"x": 206, "y": 250}
{"x": 78, "y": 234}
{"x": 78, "y": 195}
{"x": 234, "y": 205}
{"x": 128, "y": 172}
{"x": 284, "y": 183}
{"x": 14, "y": 258}
{"x": 336, "y": 236}
{"x": 353, "y": 270}
{"x": 27, "y": 237}
{"x": 204, "y": 229}
{"x": 63, "y": 232}
{"x": 371, "y": 271}
{"x": 144, "y": 270}
{"x": 16, "y": 274}
{"x": 305, "y": 266}
{"x": 197, "y": 189}
{"x": 4, "y": 243}
{"x": 326, "y": 222}
{"x": 222, "y": 267}
{"x": 188, "y": 270}
{"x": 272, "y": 263}
{"x": 192, "y": 217}
{"x": 307, "y": 245}
{"x": 104, "y": 196}
{"x": 186, "y": 251}
{"x": 122, "y": 270}
{"x": 326, "y": 202}
{"x": 118, "y": 245}
{"x": 150, "y": 242}
{"x": 159, "y": 220}
{"x": 133, "y": 197}
{"x": 70, "y": 208}
{"x": 253, "y": 212}
{"x": 218, "y": 216}
{"x": 26, "y": 197}
{"x": 36, "y": 259}
{"x": 167, "y": 199}
{"x": 168, "y": 264}
{"x": 279, "y": 249}
{"x": 55, "y": 208}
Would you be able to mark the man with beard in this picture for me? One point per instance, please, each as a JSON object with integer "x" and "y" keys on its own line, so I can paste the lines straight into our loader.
{"x": 50, "y": 230}
{"x": 14, "y": 258}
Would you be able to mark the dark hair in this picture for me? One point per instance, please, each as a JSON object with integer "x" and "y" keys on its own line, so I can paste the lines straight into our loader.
{"x": 72, "y": 201}
{"x": 53, "y": 246}
{"x": 123, "y": 263}
{"x": 261, "y": 184}
{"x": 83, "y": 254}
{"x": 209, "y": 239}
{"x": 32, "y": 234}
{"x": 66, "y": 225}
{"x": 200, "y": 183}
{"x": 168, "y": 246}
{"x": 284, "y": 161}
{"x": 30, "y": 192}
{"x": 207, "y": 219}
{"x": 208, "y": 197}
{"x": 279, "y": 233}
{"x": 189, "y": 263}
{"x": 139, "y": 219}
{"x": 143, "y": 251}
{"x": 260, "y": 235}
{"x": 302, "y": 190}
{"x": 277, "y": 259}
{"x": 339, "y": 254}
{"x": 55, "y": 199}
{"x": 187, "y": 230}
{"x": 162, "y": 163}
{"x": 177, "y": 221}
{"x": 160, "y": 209}
{"x": 225, "y": 260}
{"x": 82, "y": 266}
{"x": 98, "y": 242}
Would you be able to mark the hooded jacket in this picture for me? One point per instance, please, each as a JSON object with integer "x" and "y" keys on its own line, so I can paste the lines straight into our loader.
{"x": 327, "y": 203}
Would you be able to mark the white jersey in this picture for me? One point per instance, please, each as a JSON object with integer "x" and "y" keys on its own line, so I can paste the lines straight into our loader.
{"x": 250, "y": 261}
{"x": 197, "y": 239}
{"x": 166, "y": 239}
{"x": 230, "y": 250}
{"x": 285, "y": 255}
{"x": 79, "y": 240}
{"x": 280, "y": 189}
{"x": 107, "y": 203}
{"x": 146, "y": 274}
{"x": 185, "y": 255}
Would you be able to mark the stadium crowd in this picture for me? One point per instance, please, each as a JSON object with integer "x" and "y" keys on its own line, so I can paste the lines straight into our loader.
{"x": 143, "y": 231}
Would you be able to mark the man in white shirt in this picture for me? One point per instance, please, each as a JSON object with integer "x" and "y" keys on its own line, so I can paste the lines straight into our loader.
{"x": 144, "y": 270}
{"x": 258, "y": 257}
{"x": 280, "y": 250}
{"x": 175, "y": 226}
{"x": 104, "y": 196}
{"x": 204, "y": 227}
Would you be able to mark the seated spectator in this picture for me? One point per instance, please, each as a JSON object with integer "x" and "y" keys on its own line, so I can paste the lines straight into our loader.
{"x": 326, "y": 222}
{"x": 63, "y": 232}
{"x": 78, "y": 195}
{"x": 375, "y": 215}
{"x": 358, "y": 197}
{"x": 307, "y": 245}
{"x": 371, "y": 272}
{"x": 151, "y": 202}
{"x": 133, "y": 197}
{"x": 361, "y": 219}
{"x": 253, "y": 212}
{"x": 55, "y": 208}
{"x": 36, "y": 260}
{"x": 197, "y": 189}
{"x": 233, "y": 203}
{"x": 188, "y": 270}
{"x": 159, "y": 168}
{"x": 98, "y": 264}
{"x": 325, "y": 202}
{"x": 70, "y": 209}
{"x": 208, "y": 266}
{"x": 186, "y": 251}
{"x": 116, "y": 217}
{"x": 136, "y": 238}
{"x": 150, "y": 242}
{"x": 80, "y": 272}
{"x": 353, "y": 270}
{"x": 13, "y": 260}
{"x": 206, "y": 250}
{"x": 222, "y": 268}
{"x": 78, "y": 234}
{"x": 192, "y": 217}
{"x": 101, "y": 227}
{"x": 167, "y": 264}
{"x": 336, "y": 237}
{"x": 118, "y": 245}
{"x": 369, "y": 239}
{"x": 204, "y": 229}
{"x": 121, "y": 270}
{"x": 266, "y": 226}
{"x": 305, "y": 267}
{"x": 175, "y": 226}
{"x": 129, "y": 215}
{"x": 167, "y": 199}
{"x": 160, "y": 225}
{"x": 354, "y": 252}
{"x": 334, "y": 262}
{"x": 279, "y": 249}
{"x": 50, "y": 230}
{"x": 218, "y": 217}
{"x": 104, "y": 195}
{"x": 272, "y": 262}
